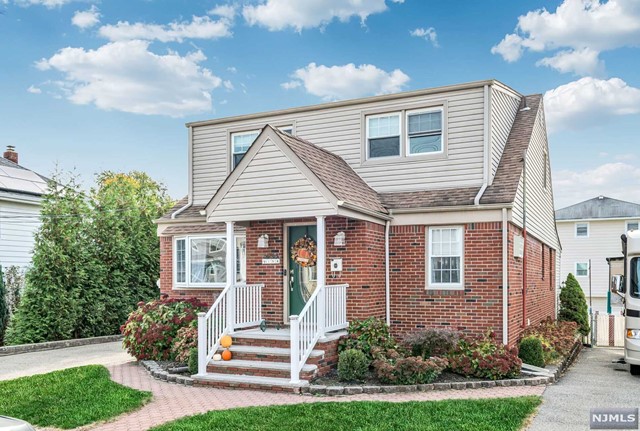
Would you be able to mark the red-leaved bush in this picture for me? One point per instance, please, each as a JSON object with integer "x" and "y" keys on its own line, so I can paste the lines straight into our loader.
{"x": 150, "y": 330}
{"x": 411, "y": 370}
{"x": 485, "y": 357}
{"x": 186, "y": 339}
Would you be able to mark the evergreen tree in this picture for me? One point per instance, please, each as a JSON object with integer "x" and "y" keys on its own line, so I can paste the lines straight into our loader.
{"x": 573, "y": 305}
{"x": 4, "y": 308}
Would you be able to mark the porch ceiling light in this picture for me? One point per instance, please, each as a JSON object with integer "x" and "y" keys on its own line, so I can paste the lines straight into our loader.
{"x": 263, "y": 241}
{"x": 340, "y": 239}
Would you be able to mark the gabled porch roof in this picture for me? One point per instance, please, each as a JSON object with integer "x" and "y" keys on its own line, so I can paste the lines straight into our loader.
{"x": 282, "y": 176}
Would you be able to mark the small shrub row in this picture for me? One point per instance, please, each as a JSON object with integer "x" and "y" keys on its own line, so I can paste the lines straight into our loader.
{"x": 397, "y": 370}
{"x": 431, "y": 342}
{"x": 484, "y": 357}
{"x": 353, "y": 365}
{"x": 557, "y": 338}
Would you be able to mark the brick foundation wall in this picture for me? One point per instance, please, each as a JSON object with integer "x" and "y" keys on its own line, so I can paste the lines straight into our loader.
{"x": 473, "y": 310}
{"x": 540, "y": 295}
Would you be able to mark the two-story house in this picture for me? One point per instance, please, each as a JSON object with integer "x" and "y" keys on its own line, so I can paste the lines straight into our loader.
{"x": 430, "y": 208}
{"x": 590, "y": 233}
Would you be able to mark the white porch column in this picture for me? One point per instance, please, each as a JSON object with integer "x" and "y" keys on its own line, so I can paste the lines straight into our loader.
{"x": 231, "y": 276}
{"x": 321, "y": 275}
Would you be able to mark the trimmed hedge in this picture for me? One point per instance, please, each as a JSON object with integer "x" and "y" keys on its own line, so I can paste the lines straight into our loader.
{"x": 531, "y": 351}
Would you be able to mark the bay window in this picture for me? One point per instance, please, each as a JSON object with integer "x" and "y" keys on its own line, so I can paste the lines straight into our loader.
{"x": 200, "y": 261}
{"x": 445, "y": 258}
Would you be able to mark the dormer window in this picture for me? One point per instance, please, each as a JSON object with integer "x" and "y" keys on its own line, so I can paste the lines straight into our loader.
{"x": 383, "y": 135}
{"x": 424, "y": 131}
{"x": 240, "y": 143}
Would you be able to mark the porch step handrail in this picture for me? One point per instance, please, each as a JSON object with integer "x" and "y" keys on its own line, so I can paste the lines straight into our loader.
{"x": 309, "y": 326}
{"x": 225, "y": 316}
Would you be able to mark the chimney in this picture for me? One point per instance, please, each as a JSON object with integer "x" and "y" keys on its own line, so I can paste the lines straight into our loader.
{"x": 11, "y": 154}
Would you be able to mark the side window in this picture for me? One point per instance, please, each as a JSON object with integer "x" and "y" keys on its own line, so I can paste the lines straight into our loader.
{"x": 445, "y": 255}
{"x": 424, "y": 131}
{"x": 582, "y": 230}
{"x": 632, "y": 225}
{"x": 240, "y": 143}
{"x": 383, "y": 135}
{"x": 582, "y": 269}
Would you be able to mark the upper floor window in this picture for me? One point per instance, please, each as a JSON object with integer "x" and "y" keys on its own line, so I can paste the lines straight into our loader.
{"x": 383, "y": 135}
{"x": 582, "y": 269}
{"x": 424, "y": 131}
{"x": 582, "y": 230}
{"x": 633, "y": 225}
{"x": 240, "y": 143}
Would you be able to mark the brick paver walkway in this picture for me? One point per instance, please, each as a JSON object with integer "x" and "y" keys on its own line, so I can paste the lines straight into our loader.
{"x": 171, "y": 401}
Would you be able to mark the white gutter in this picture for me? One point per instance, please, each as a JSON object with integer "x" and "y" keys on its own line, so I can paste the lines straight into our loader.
{"x": 387, "y": 289}
{"x": 189, "y": 174}
{"x": 487, "y": 126}
{"x": 505, "y": 278}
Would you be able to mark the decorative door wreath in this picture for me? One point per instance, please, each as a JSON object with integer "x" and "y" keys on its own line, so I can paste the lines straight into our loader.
{"x": 304, "y": 252}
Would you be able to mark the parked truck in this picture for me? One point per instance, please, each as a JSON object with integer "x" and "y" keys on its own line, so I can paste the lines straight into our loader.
{"x": 627, "y": 286}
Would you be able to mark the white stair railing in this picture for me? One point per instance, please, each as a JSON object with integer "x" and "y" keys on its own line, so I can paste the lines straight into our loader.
{"x": 314, "y": 321}
{"x": 236, "y": 307}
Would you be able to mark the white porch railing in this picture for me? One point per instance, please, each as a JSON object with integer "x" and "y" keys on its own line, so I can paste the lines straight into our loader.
{"x": 237, "y": 306}
{"x": 315, "y": 319}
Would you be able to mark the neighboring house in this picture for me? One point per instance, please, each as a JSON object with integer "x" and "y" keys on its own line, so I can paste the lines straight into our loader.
{"x": 20, "y": 196}
{"x": 417, "y": 201}
{"x": 590, "y": 232}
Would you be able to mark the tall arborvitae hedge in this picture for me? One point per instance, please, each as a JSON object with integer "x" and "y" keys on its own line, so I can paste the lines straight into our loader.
{"x": 573, "y": 305}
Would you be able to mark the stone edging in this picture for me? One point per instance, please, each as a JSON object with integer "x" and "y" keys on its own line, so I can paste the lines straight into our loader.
{"x": 158, "y": 373}
{"x": 52, "y": 345}
{"x": 530, "y": 381}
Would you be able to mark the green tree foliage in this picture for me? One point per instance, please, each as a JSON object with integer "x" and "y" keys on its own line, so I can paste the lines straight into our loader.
{"x": 573, "y": 305}
{"x": 14, "y": 285}
{"x": 95, "y": 258}
{"x": 4, "y": 308}
{"x": 531, "y": 351}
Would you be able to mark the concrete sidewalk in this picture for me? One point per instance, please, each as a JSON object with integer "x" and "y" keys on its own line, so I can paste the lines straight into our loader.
{"x": 26, "y": 364}
{"x": 592, "y": 381}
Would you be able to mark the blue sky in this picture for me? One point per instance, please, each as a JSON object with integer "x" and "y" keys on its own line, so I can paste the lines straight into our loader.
{"x": 97, "y": 85}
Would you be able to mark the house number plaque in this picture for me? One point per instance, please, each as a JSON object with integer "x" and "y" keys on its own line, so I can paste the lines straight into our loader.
{"x": 269, "y": 261}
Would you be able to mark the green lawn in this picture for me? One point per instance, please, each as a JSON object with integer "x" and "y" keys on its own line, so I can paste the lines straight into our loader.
{"x": 460, "y": 415}
{"x": 68, "y": 398}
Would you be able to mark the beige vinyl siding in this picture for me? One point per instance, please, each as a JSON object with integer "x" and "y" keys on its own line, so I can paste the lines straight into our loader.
{"x": 18, "y": 225}
{"x": 260, "y": 193}
{"x": 603, "y": 242}
{"x": 340, "y": 129}
{"x": 538, "y": 199}
{"x": 504, "y": 108}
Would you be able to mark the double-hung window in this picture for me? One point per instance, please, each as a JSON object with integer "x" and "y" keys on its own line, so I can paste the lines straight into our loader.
{"x": 201, "y": 261}
{"x": 582, "y": 230}
{"x": 424, "y": 131}
{"x": 582, "y": 269}
{"x": 445, "y": 257}
{"x": 383, "y": 135}
{"x": 240, "y": 143}
{"x": 632, "y": 225}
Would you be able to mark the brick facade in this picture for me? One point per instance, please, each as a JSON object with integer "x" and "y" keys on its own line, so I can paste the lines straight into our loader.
{"x": 475, "y": 309}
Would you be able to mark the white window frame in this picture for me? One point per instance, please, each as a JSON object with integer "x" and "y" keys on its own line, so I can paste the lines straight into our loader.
{"x": 400, "y": 131}
{"x": 629, "y": 222}
{"x": 407, "y": 143}
{"x": 187, "y": 238}
{"x": 233, "y": 152}
{"x": 444, "y": 286}
{"x": 576, "y": 269}
{"x": 575, "y": 229}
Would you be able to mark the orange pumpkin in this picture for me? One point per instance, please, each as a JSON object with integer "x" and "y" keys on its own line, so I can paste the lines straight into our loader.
{"x": 226, "y": 354}
{"x": 226, "y": 341}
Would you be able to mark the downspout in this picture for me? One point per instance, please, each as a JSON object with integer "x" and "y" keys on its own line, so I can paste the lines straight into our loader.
{"x": 486, "y": 139}
{"x": 189, "y": 174}
{"x": 505, "y": 278}
{"x": 387, "y": 289}
{"x": 524, "y": 240}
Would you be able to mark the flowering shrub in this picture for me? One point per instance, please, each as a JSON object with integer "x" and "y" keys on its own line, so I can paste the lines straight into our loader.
{"x": 366, "y": 334}
{"x": 484, "y": 357}
{"x": 150, "y": 330}
{"x": 413, "y": 370}
{"x": 431, "y": 342}
{"x": 557, "y": 338}
{"x": 186, "y": 339}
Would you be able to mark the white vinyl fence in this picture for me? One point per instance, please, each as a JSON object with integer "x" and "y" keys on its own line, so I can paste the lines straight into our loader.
{"x": 607, "y": 330}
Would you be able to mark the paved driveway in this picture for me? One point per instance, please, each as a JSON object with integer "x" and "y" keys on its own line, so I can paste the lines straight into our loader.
{"x": 26, "y": 364}
{"x": 592, "y": 381}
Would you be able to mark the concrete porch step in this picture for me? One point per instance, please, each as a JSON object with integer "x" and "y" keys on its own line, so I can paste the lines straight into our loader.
{"x": 268, "y": 354}
{"x": 260, "y": 368}
{"x": 273, "y": 384}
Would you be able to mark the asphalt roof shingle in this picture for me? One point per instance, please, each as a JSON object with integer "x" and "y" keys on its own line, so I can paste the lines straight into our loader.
{"x": 599, "y": 207}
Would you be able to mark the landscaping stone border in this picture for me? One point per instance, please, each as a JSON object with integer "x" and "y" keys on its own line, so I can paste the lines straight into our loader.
{"x": 52, "y": 345}
{"x": 332, "y": 391}
{"x": 158, "y": 373}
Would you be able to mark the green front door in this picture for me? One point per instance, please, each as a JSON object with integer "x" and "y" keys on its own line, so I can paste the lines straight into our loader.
{"x": 302, "y": 280}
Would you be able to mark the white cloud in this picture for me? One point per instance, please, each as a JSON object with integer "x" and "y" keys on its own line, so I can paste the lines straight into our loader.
{"x": 50, "y": 4}
{"x": 200, "y": 27}
{"x": 280, "y": 14}
{"x": 34, "y": 90}
{"x": 86, "y": 19}
{"x": 346, "y": 82}
{"x": 126, "y": 76}
{"x": 228, "y": 85}
{"x": 576, "y": 25}
{"x": 583, "y": 62}
{"x": 429, "y": 34}
{"x": 227, "y": 11}
{"x": 232, "y": 69}
{"x": 589, "y": 101}
{"x": 609, "y": 179}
